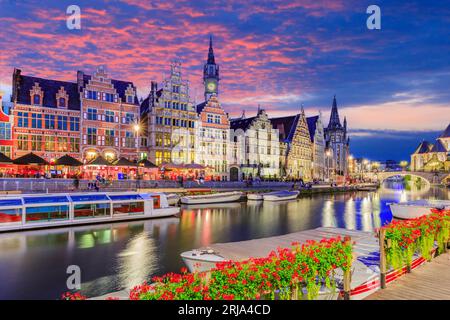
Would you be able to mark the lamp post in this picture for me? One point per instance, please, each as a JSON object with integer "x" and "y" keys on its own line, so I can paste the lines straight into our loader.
{"x": 136, "y": 130}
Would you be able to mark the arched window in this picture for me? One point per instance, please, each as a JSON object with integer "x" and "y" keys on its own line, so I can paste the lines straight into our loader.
{"x": 37, "y": 99}
{"x": 62, "y": 102}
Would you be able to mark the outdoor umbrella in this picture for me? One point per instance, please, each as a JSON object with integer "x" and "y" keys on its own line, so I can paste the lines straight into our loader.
{"x": 147, "y": 164}
{"x": 99, "y": 161}
{"x": 68, "y": 161}
{"x": 124, "y": 162}
{"x": 30, "y": 158}
{"x": 4, "y": 158}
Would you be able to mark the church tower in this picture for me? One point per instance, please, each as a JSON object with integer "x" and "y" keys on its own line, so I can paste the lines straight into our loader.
{"x": 211, "y": 74}
{"x": 336, "y": 138}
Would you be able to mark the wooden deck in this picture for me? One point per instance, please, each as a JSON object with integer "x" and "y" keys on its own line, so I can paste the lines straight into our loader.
{"x": 428, "y": 282}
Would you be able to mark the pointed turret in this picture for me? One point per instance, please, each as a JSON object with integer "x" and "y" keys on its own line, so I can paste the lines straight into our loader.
{"x": 334, "y": 117}
{"x": 211, "y": 59}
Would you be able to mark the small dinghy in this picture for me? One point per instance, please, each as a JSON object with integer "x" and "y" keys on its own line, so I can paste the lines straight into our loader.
{"x": 281, "y": 195}
{"x": 212, "y": 198}
{"x": 415, "y": 209}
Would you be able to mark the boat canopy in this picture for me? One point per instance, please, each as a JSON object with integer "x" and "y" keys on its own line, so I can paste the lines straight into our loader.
{"x": 45, "y": 199}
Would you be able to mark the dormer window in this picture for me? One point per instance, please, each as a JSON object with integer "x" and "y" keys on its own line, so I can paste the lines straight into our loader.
{"x": 62, "y": 103}
{"x": 36, "y": 99}
{"x": 130, "y": 99}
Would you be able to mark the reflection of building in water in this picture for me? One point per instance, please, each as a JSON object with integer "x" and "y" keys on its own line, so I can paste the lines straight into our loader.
{"x": 328, "y": 214}
{"x": 350, "y": 214}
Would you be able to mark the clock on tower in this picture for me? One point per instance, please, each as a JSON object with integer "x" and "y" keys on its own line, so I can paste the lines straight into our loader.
{"x": 211, "y": 74}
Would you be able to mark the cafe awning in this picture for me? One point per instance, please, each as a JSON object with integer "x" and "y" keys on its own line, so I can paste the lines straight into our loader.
{"x": 68, "y": 161}
{"x": 147, "y": 164}
{"x": 5, "y": 159}
{"x": 30, "y": 158}
{"x": 99, "y": 161}
{"x": 124, "y": 162}
{"x": 194, "y": 166}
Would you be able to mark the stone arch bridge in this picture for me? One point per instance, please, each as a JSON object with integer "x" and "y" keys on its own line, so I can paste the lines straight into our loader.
{"x": 429, "y": 177}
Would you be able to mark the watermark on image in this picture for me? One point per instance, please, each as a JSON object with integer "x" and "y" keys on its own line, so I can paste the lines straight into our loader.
{"x": 73, "y": 282}
{"x": 73, "y": 21}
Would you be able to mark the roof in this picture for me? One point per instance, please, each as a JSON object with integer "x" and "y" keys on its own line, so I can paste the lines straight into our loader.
{"x": 120, "y": 86}
{"x": 312, "y": 121}
{"x": 438, "y": 147}
{"x": 147, "y": 164}
{"x": 334, "y": 116}
{"x": 240, "y": 123}
{"x": 4, "y": 158}
{"x": 286, "y": 126}
{"x": 30, "y": 158}
{"x": 68, "y": 161}
{"x": 124, "y": 162}
{"x": 424, "y": 147}
{"x": 446, "y": 133}
{"x": 200, "y": 107}
{"x": 50, "y": 89}
{"x": 99, "y": 161}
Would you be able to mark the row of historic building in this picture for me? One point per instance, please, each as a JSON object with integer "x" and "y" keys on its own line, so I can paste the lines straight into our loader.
{"x": 99, "y": 116}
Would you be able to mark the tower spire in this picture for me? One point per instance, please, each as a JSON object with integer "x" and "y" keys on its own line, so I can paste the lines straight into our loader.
{"x": 334, "y": 117}
{"x": 211, "y": 59}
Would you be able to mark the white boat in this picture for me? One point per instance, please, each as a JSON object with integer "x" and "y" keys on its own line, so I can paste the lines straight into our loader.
{"x": 173, "y": 199}
{"x": 212, "y": 198}
{"x": 32, "y": 211}
{"x": 415, "y": 209}
{"x": 281, "y": 195}
{"x": 255, "y": 196}
{"x": 201, "y": 260}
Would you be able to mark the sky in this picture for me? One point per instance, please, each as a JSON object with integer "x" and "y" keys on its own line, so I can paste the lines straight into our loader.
{"x": 392, "y": 84}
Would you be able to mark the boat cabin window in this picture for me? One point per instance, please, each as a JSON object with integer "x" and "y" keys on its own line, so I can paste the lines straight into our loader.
{"x": 128, "y": 208}
{"x": 125, "y": 197}
{"x": 10, "y": 215}
{"x": 91, "y": 210}
{"x": 46, "y": 213}
{"x": 38, "y": 200}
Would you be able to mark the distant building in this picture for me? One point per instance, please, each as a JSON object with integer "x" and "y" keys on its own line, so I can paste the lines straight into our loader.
{"x": 46, "y": 117}
{"x": 6, "y": 142}
{"x": 337, "y": 141}
{"x": 213, "y": 143}
{"x": 316, "y": 133}
{"x": 258, "y": 146}
{"x": 295, "y": 140}
{"x": 110, "y": 112}
{"x": 433, "y": 156}
{"x": 170, "y": 120}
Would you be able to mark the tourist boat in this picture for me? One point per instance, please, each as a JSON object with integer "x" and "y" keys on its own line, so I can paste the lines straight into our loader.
{"x": 281, "y": 195}
{"x": 415, "y": 209}
{"x": 173, "y": 199}
{"x": 31, "y": 211}
{"x": 212, "y": 198}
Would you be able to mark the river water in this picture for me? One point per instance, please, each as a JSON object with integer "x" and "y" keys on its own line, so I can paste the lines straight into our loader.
{"x": 115, "y": 256}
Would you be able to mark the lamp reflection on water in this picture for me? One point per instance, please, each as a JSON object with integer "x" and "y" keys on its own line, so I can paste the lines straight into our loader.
{"x": 350, "y": 214}
{"x": 138, "y": 261}
{"x": 328, "y": 214}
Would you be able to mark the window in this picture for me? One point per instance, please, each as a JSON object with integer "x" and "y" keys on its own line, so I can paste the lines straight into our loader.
{"x": 109, "y": 137}
{"x": 93, "y": 95}
{"x": 109, "y": 97}
{"x": 6, "y": 150}
{"x": 129, "y": 140}
{"x": 129, "y": 117}
{"x": 22, "y": 119}
{"x": 74, "y": 145}
{"x": 91, "y": 136}
{"x": 49, "y": 143}
{"x": 62, "y": 123}
{"x": 37, "y": 99}
{"x": 22, "y": 142}
{"x": 167, "y": 139}
{"x": 74, "y": 124}
{"x": 62, "y": 102}
{"x": 36, "y": 120}
{"x": 158, "y": 156}
{"x": 130, "y": 99}
{"x": 167, "y": 121}
{"x": 159, "y": 120}
{"x": 92, "y": 114}
{"x": 49, "y": 121}
{"x": 62, "y": 144}
{"x": 158, "y": 139}
{"x": 210, "y": 118}
{"x": 36, "y": 143}
{"x": 216, "y": 119}
{"x": 109, "y": 116}
{"x": 5, "y": 131}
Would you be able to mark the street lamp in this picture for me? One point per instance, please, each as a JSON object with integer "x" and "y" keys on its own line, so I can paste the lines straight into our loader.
{"x": 137, "y": 128}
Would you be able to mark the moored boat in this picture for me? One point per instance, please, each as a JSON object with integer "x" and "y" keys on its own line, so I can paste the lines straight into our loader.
{"x": 173, "y": 199}
{"x": 415, "y": 209}
{"x": 32, "y": 211}
{"x": 212, "y": 198}
{"x": 281, "y": 195}
{"x": 255, "y": 196}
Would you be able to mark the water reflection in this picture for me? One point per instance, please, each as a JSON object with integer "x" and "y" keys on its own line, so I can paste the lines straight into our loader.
{"x": 120, "y": 255}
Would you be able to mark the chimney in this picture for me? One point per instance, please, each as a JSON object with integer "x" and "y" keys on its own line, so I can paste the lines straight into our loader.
{"x": 15, "y": 84}
{"x": 80, "y": 81}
